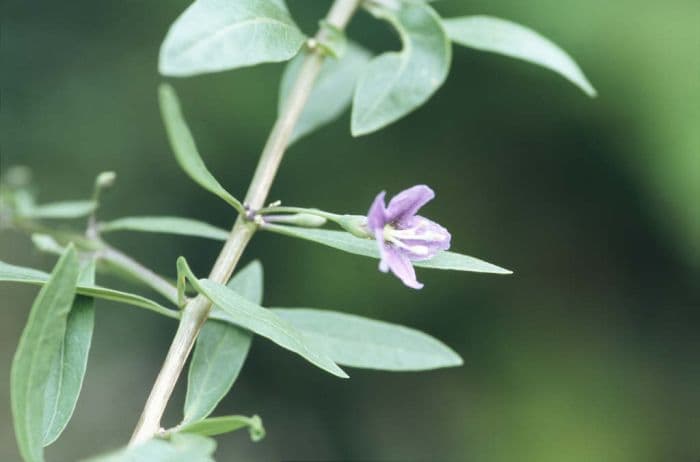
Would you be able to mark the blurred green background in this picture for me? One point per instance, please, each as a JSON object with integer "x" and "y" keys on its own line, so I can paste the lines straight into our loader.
{"x": 588, "y": 353}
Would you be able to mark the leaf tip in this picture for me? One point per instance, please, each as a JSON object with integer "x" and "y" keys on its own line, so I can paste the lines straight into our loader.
{"x": 584, "y": 84}
{"x": 256, "y": 430}
{"x": 255, "y": 267}
{"x": 338, "y": 372}
{"x": 181, "y": 262}
{"x": 164, "y": 67}
{"x": 591, "y": 91}
{"x": 357, "y": 130}
{"x": 452, "y": 358}
{"x": 495, "y": 269}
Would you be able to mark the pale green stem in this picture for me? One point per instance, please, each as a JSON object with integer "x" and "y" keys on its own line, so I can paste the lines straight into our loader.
{"x": 140, "y": 272}
{"x": 197, "y": 310}
{"x": 319, "y": 213}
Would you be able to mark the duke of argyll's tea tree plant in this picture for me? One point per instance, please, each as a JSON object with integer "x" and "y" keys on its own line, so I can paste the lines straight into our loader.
{"x": 218, "y": 315}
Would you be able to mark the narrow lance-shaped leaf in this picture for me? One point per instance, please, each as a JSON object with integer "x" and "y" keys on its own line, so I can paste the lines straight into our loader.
{"x": 185, "y": 149}
{"x": 166, "y": 225}
{"x": 67, "y": 209}
{"x": 367, "y": 247}
{"x": 510, "y": 39}
{"x": 128, "y": 298}
{"x": 12, "y": 273}
{"x": 332, "y": 92}
{"x": 217, "y": 35}
{"x": 265, "y": 323}
{"x": 220, "y": 351}
{"x": 396, "y": 83}
{"x": 226, "y": 424}
{"x": 355, "y": 341}
{"x": 46, "y": 243}
{"x": 41, "y": 340}
{"x": 180, "y": 447}
{"x": 237, "y": 310}
{"x": 69, "y": 365}
{"x": 50, "y": 243}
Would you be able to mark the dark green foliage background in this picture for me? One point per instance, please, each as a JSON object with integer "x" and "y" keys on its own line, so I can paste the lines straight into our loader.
{"x": 589, "y": 352}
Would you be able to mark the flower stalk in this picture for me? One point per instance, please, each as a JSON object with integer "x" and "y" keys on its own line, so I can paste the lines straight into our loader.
{"x": 354, "y": 224}
{"x": 196, "y": 311}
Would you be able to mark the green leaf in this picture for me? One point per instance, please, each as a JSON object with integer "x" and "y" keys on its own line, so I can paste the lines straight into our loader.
{"x": 46, "y": 243}
{"x": 368, "y": 247}
{"x": 185, "y": 149}
{"x": 396, "y": 83}
{"x": 458, "y": 262}
{"x": 67, "y": 209}
{"x": 248, "y": 315}
{"x": 216, "y": 35}
{"x": 226, "y": 424}
{"x": 68, "y": 369}
{"x": 50, "y": 244}
{"x": 181, "y": 447}
{"x": 128, "y": 298}
{"x": 331, "y": 94}
{"x": 360, "y": 342}
{"x": 510, "y": 39}
{"x": 12, "y": 273}
{"x": 166, "y": 225}
{"x": 41, "y": 340}
{"x": 220, "y": 351}
{"x": 211, "y": 377}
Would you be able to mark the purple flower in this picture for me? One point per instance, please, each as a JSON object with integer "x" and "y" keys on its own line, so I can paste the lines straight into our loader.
{"x": 404, "y": 236}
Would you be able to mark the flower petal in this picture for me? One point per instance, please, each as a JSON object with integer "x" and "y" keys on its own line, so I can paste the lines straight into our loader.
{"x": 376, "y": 217}
{"x": 379, "y": 237}
{"x": 405, "y": 204}
{"x": 424, "y": 232}
{"x": 400, "y": 265}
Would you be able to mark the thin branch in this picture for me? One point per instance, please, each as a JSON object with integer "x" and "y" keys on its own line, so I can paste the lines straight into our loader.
{"x": 132, "y": 267}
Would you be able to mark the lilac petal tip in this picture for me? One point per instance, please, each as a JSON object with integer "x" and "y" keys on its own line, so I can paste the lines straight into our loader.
{"x": 406, "y": 204}
{"x": 376, "y": 217}
{"x": 401, "y": 266}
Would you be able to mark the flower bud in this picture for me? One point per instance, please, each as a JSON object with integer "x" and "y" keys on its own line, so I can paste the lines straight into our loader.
{"x": 355, "y": 225}
{"x": 18, "y": 176}
{"x": 105, "y": 180}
